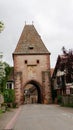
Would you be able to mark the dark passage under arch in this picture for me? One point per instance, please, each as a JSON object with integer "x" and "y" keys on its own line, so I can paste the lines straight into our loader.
{"x": 37, "y": 86}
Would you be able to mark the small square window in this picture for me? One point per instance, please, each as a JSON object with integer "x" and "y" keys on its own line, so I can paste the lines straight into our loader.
{"x": 25, "y": 61}
{"x": 37, "y": 61}
{"x": 30, "y": 47}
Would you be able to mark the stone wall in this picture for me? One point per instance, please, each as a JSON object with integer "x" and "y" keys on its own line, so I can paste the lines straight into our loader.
{"x": 46, "y": 81}
{"x": 30, "y": 67}
{"x": 21, "y": 66}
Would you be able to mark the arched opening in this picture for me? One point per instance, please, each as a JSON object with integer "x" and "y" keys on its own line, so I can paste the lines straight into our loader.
{"x": 32, "y": 92}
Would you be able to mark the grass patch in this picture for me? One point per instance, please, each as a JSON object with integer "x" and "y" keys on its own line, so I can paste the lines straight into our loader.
{"x": 1, "y": 112}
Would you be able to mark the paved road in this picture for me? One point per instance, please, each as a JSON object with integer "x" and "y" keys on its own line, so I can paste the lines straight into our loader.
{"x": 6, "y": 117}
{"x": 44, "y": 117}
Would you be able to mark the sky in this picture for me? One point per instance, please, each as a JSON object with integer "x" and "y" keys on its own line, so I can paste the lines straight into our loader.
{"x": 53, "y": 19}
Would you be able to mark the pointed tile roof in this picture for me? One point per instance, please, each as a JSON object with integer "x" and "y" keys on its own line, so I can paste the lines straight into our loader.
{"x": 30, "y": 42}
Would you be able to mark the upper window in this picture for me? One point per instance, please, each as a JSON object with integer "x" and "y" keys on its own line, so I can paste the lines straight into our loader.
{"x": 30, "y": 47}
{"x": 25, "y": 61}
{"x": 37, "y": 61}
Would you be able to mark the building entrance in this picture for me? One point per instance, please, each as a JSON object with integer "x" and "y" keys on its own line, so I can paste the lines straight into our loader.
{"x": 32, "y": 93}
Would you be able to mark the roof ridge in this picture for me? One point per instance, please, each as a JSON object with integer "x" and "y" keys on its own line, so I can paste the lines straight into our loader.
{"x": 30, "y": 42}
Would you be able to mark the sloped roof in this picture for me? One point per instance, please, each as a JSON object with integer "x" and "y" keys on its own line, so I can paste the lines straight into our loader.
{"x": 30, "y": 42}
{"x": 60, "y": 62}
{"x": 11, "y": 75}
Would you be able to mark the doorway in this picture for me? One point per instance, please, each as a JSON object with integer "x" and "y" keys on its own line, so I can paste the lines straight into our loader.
{"x": 32, "y": 93}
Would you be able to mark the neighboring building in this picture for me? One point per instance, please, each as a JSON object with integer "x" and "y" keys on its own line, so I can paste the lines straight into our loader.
{"x": 10, "y": 81}
{"x": 32, "y": 66}
{"x": 62, "y": 78}
{"x": 52, "y": 70}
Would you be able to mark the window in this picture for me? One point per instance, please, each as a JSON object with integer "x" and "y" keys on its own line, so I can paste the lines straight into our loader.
{"x": 25, "y": 61}
{"x": 9, "y": 85}
{"x": 37, "y": 61}
{"x": 30, "y": 47}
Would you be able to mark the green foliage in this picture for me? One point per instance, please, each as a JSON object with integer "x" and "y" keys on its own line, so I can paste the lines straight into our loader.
{"x": 67, "y": 105}
{"x": 2, "y": 71}
{"x": 4, "y": 79}
{"x": 7, "y": 68}
{"x": 3, "y": 84}
{"x": 1, "y": 112}
{"x": 14, "y": 105}
{"x": 9, "y": 96}
{"x": 1, "y": 26}
{"x": 59, "y": 99}
{"x": 1, "y": 93}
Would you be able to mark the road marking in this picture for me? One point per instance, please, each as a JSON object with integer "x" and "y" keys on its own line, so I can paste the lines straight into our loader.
{"x": 10, "y": 125}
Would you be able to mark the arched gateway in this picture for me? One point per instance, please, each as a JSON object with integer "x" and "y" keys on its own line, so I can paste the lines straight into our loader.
{"x": 37, "y": 87}
{"x": 31, "y": 66}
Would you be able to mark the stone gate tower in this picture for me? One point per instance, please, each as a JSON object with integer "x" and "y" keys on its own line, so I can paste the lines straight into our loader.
{"x": 32, "y": 66}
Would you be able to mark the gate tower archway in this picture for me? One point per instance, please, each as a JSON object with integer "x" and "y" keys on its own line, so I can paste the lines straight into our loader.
{"x": 38, "y": 88}
{"x": 32, "y": 66}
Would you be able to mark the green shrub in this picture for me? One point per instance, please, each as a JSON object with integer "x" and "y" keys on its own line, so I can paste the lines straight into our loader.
{"x": 59, "y": 99}
{"x": 67, "y": 105}
{"x": 9, "y": 96}
{"x": 1, "y": 111}
{"x": 14, "y": 105}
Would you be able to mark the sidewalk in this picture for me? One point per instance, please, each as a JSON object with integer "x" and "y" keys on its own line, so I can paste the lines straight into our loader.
{"x": 6, "y": 117}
